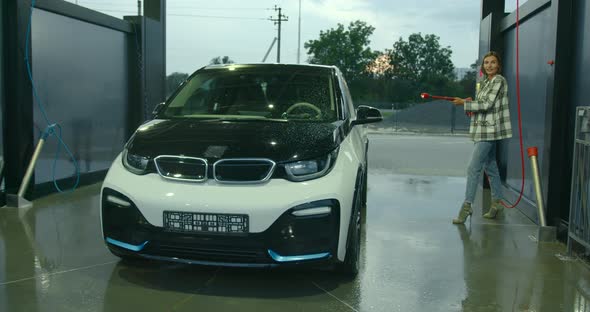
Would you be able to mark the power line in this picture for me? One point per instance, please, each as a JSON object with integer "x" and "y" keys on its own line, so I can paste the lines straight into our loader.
{"x": 220, "y": 9}
{"x": 226, "y": 17}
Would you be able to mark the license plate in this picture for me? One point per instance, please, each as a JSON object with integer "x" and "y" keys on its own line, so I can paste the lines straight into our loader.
{"x": 194, "y": 222}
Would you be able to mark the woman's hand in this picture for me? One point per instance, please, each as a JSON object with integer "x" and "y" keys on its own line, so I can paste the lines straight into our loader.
{"x": 460, "y": 101}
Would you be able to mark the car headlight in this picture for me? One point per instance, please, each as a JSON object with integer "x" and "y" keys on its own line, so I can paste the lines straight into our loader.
{"x": 310, "y": 169}
{"x": 135, "y": 163}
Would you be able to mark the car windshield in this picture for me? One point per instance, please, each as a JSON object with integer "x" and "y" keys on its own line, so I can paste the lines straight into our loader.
{"x": 290, "y": 93}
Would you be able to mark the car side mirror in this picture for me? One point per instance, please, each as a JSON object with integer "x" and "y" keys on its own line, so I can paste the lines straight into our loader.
{"x": 158, "y": 109}
{"x": 367, "y": 114}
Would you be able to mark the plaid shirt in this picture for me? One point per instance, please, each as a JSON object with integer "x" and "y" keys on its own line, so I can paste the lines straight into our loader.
{"x": 490, "y": 118}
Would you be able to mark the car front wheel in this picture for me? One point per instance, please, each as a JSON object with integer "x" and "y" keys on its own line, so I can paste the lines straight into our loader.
{"x": 350, "y": 266}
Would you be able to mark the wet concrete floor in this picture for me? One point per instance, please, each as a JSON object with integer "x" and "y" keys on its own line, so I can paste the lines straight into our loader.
{"x": 52, "y": 257}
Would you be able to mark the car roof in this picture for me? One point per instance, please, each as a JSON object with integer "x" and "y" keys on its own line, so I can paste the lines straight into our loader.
{"x": 269, "y": 65}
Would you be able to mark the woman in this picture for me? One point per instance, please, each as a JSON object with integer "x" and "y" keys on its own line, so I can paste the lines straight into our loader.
{"x": 490, "y": 122}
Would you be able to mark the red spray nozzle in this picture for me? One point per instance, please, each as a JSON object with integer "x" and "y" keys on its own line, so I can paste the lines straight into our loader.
{"x": 440, "y": 97}
{"x": 532, "y": 151}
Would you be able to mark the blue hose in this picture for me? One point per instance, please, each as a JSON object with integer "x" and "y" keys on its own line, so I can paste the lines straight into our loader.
{"x": 50, "y": 129}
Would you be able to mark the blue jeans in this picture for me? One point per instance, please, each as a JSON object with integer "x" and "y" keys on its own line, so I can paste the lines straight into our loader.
{"x": 483, "y": 158}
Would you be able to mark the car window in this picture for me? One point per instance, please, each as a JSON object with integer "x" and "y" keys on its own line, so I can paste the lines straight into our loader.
{"x": 348, "y": 105}
{"x": 349, "y": 102}
{"x": 291, "y": 94}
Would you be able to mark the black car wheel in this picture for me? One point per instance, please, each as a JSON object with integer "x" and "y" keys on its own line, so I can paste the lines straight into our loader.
{"x": 364, "y": 189}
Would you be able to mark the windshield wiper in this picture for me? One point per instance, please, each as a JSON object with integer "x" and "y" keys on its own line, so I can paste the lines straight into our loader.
{"x": 237, "y": 119}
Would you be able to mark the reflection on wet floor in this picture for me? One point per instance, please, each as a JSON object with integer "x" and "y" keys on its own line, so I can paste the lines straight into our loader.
{"x": 52, "y": 258}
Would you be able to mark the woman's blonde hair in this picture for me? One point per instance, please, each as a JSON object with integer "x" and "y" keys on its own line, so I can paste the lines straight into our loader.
{"x": 497, "y": 56}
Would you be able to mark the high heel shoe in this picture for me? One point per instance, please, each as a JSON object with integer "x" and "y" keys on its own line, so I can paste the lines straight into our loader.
{"x": 495, "y": 208}
{"x": 465, "y": 212}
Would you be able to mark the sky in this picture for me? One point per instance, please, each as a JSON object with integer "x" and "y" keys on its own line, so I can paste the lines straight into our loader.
{"x": 198, "y": 30}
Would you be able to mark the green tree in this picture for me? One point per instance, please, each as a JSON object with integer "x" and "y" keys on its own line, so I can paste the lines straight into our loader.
{"x": 173, "y": 81}
{"x": 348, "y": 49}
{"x": 468, "y": 81}
{"x": 221, "y": 60}
{"x": 421, "y": 59}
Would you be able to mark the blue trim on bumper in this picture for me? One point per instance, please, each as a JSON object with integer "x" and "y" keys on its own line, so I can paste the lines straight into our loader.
{"x": 278, "y": 258}
{"x": 125, "y": 245}
{"x": 212, "y": 263}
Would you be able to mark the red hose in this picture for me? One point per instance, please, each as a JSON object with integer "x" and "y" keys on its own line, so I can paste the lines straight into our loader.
{"x": 519, "y": 116}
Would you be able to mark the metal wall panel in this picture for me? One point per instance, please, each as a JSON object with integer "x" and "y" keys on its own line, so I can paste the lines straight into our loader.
{"x": 581, "y": 80}
{"x": 534, "y": 72}
{"x": 80, "y": 73}
{"x": 485, "y": 37}
{"x": 2, "y": 185}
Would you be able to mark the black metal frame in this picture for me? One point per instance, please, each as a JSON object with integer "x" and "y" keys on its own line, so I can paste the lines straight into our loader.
{"x": 83, "y": 14}
{"x": 560, "y": 121}
{"x": 557, "y": 154}
{"x": 18, "y": 104}
{"x": 526, "y": 11}
{"x": 18, "y": 115}
{"x": 494, "y": 11}
{"x": 134, "y": 60}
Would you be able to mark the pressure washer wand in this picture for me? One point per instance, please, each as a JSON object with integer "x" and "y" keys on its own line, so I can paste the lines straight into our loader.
{"x": 439, "y": 97}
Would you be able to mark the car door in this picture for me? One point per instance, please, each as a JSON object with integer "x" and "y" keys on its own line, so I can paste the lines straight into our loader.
{"x": 358, "y": 133}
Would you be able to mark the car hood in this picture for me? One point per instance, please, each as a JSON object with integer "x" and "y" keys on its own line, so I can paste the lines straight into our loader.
{"x": 216, "y": 139}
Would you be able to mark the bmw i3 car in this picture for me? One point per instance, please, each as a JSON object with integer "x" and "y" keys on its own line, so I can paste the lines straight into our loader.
{"x": 253, "y": 165}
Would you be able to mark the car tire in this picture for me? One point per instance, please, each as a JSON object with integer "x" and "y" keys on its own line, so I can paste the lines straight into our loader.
{"x": 363, "y": 207}
{"x": 364, "y": 189}
{"x": 365, "y": 178}
{"x": 350, "y": 266}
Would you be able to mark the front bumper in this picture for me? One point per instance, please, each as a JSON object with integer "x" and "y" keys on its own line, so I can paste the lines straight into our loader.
{"x": 264, "y": 203}
{"x": 289, "y": 240}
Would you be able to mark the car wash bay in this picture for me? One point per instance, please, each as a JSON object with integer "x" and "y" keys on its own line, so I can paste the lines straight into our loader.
{"x": 52, "y": 257}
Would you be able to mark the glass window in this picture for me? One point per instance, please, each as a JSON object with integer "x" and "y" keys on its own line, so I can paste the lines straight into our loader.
{"x": 347, "y": 98}
{"x": 286, "y": 94}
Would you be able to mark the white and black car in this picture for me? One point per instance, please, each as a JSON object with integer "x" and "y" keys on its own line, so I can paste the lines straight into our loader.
{"x": 245, "y": 165}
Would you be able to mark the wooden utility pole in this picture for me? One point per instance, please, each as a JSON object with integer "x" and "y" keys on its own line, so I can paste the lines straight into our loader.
{"x": 278, "y": 20}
